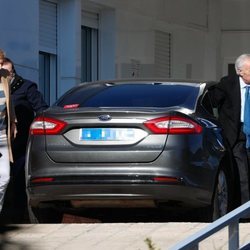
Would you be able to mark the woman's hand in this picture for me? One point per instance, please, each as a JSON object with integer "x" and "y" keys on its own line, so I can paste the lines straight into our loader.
{"x": 13, "y": 130}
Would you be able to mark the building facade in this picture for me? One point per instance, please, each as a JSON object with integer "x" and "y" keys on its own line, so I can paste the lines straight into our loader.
{"x": 60, "y": 43}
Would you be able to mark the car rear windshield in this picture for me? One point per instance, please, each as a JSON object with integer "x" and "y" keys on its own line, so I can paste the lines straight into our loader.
{"x": 132, "y": 95}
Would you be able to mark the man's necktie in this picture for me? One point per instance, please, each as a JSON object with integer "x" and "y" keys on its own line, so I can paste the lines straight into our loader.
{"x": 246, "y": 125}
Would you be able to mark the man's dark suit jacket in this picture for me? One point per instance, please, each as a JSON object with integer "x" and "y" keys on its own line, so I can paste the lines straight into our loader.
{"x": 226, "y": 96}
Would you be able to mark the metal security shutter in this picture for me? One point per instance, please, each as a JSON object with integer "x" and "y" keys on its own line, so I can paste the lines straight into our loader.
{"x": 48, "y": 26}
{"x": 162, "y": 54}
{"x": 90, "y": 19}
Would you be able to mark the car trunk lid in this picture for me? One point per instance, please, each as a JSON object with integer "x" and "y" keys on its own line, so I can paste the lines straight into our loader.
{"x": 105, "y": 136}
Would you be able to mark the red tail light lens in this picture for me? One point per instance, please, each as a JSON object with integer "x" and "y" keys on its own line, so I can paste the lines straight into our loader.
{"x": 167, "y": 179}
{"x": 71, "y": 106}
{"x": 173, "y": 125}
{"x": 46, "y": 126}
{"x": 42, "y": 180}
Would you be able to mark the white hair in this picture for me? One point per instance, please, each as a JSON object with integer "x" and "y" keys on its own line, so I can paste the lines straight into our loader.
{"x": 240, "y": 61}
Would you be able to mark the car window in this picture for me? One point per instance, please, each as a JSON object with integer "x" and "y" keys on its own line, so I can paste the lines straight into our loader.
{"x": 133, "y": 95}
{"x": 207, "y": 105}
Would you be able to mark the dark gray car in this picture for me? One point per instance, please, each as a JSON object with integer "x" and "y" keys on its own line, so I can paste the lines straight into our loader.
{"x": 134, "y": 143}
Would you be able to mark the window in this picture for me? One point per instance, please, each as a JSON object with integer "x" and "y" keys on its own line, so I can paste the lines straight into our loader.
{"x": 231, "y": 69}
{"x": 162, "y": 54}
{"x": 132, "y": 95}
{"x": 47, "y": 77}
{"x": 89, "y": 54}
{"x": 206, "y": 103}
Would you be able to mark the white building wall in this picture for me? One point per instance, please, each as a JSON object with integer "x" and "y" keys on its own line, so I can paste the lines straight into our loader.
{"x": 235, "y": 30}
{"x": 136, "y": 23}
{"x": 69, "y": 44}
{"x": 107, "y": 44}
{"x": 206, "y": 35}
{"x": 191, "y": 56}
{"x": 19, "y": 35}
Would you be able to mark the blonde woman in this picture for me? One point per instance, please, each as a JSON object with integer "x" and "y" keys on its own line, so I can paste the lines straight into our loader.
{"x": 7, "y": 129}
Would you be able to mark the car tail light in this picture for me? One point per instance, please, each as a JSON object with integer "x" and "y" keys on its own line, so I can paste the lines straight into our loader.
{"x": 167, "y": 179}
{"x": 173, "y": 125}
{"x": 46, "y": 126}
{"x": 42, "y": 180}
{"x": 71, "y": 106}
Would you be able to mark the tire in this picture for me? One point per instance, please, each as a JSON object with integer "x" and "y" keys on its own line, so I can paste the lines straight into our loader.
{"x": 222, "y": 201}
{"x": 44, "y": 215}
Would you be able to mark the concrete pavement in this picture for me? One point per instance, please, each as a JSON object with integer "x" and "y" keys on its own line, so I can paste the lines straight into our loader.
{"x": 112, "y": 236}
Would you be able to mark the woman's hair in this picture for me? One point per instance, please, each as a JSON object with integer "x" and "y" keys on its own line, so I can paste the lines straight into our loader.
{"x": 240, "y": 61}
{"x": 2, "y": 54}
{"x": 7, "y": 60}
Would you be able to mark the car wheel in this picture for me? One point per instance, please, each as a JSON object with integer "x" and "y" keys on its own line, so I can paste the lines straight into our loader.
{"x": 44, "y": 215}
{"x": 221, "y": 199}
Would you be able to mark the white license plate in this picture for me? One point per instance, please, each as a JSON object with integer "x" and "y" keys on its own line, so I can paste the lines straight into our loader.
{"x": 110, "y": 134}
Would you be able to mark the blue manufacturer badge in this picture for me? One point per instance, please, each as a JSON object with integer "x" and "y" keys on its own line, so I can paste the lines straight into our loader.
{"x": 104, "y": 117}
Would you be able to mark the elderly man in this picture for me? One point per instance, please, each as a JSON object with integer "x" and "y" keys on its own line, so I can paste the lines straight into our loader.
{"x": 229, "y": 96}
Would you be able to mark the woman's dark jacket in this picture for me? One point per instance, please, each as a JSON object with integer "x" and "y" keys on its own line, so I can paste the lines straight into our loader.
{"x": 27, "y": 101}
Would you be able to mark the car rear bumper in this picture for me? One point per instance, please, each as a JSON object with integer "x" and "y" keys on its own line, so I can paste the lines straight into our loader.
{"x": 192, "y": 186}
{"x": 125, "y": 195}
